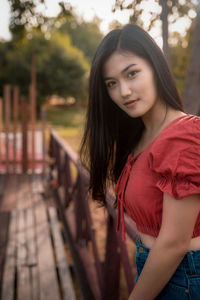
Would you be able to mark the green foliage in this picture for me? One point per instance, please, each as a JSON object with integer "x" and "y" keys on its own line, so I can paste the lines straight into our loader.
{"x": 68, "y": 122}
{"x": 115, "y": 24}
{"x": 62, "y": 56}
{"x": 61, "y": 68}
{"x": 24, "y": 16}
{"x": 61, "y": 60}
{"x": 4, "y": 50}
{"x": 180, "y": 56}
{"x": 84, "y": 35}
{"x": 66, "y": 116}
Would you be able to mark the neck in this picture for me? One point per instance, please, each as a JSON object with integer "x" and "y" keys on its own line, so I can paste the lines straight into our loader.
{"x": 154, "y": 120}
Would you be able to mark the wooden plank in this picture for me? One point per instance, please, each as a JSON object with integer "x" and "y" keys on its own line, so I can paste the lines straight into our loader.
{"x": 35, "y": 188}
{"x": 2, "y": 186}
{"x": 23, "y": 189}
{"x": 4, "y": 226}
{"x": 34, "y": 272}
{"x": 23, "y": 279}
{"x": 25, "y": 202}
{"x": 32, "y": 253}
{"x": 30, "y": 235}
{"x": 9, "y": 271}
{"x": 63, "y": 268}
{"x": 9, "y": 196}
{"x": 36, "y": 185}
{"x": 46, "y": 262}
{"x": 23, "y": 274}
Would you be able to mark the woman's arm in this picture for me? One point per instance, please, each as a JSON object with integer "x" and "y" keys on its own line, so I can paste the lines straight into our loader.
{"x": 178, "y": 221}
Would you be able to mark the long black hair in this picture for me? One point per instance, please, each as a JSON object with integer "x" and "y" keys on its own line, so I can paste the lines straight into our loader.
{"x": 110, "y": 134}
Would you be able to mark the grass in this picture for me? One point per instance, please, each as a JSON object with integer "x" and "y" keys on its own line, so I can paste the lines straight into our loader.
{"x": 68, "y": 121}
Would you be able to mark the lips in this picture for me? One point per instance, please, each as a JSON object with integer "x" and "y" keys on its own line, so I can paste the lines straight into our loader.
{"x": 130, "y": 102}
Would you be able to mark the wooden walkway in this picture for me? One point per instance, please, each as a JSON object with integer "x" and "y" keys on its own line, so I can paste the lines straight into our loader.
{"x": 33, "y": 261}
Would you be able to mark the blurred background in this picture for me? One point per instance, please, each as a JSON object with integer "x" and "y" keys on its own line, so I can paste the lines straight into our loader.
{"x": 46, "y": 50}
{"x": 62, "y": 36}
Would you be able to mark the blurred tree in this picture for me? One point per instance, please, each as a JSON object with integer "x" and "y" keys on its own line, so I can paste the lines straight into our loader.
{"x": 170, "y": 10}
{"x": 180, "y": 55}
{"x": 115, "y": 24}
{"x": 25, "y": 17}
{"x": 61, "y": 68}
{"x": 164, "y": 19}
{"x": 192, "y": 87}
{"x": 84, "y": 35}
{"x": 4, "y": 49}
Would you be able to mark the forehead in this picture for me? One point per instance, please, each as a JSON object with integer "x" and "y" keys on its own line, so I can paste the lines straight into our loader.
{"x": 118, "y": 61}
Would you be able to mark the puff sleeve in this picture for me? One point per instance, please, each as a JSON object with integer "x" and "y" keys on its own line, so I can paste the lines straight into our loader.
{"x": 175, "y": 159}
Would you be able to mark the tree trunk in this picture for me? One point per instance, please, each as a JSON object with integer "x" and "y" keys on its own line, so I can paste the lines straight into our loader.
{"x": 164, "y": 19}
{"x": 191, "y": 95}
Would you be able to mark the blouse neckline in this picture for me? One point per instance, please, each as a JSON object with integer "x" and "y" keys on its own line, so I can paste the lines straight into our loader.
{"x": 160, "y": 133}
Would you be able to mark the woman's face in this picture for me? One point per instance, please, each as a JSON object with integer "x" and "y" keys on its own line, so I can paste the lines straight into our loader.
{"x": 130, "y": 83}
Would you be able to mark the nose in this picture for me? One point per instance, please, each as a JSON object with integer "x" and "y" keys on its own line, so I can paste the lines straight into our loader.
{"x": 125, "y": 89}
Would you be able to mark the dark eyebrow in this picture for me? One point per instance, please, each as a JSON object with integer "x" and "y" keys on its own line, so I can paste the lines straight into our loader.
{"x": 129, "y": 66}
{"x": 124, "y": 70}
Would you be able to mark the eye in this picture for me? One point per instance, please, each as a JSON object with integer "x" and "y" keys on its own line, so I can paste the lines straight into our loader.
{"x": 110, "y": 84}
{"x": 132, "y": 74}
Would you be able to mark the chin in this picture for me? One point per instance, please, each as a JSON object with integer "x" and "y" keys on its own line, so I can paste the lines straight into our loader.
{"x": 135, "y": 114}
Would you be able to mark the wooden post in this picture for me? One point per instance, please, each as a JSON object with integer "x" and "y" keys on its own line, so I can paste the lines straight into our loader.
{"x": 126, "y": 263}
{"x": 1, "y": 129}
{"x": 43, "y": 118}
{"x": 15, "y": 121}
{"x": 112, "y": 263}
{"x": 58, "y": 163}
{"x": 85, "y": 232}
{"x": 67, "y": 181}
{"x": 82, "y": 233}
{"x": 6, "y": 96}
{"x": 32, "y": 93}
{"x": 32, "y": 117}
{"x": 24, "y": 110}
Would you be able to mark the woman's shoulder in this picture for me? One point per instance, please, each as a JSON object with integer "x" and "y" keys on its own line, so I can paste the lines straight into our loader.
{"x": 179, "y": 141}
{"x": 175, "y": 155}
{"x": 186, "y": 123}
{"x": 181, "y": 133}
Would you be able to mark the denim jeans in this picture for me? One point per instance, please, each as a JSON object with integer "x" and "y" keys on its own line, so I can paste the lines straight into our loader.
{"x": 185, "y": 282}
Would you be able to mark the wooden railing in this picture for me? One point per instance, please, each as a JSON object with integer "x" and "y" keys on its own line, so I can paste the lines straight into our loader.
{"x": 22, "y": 145}
{"x": 97, "y": 279}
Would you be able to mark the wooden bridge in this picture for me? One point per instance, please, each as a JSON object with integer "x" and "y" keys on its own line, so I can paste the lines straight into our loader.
{"x": 49, "y": 242}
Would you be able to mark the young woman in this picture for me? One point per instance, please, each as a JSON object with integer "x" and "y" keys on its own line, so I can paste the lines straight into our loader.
{"x": 138, "y": 136}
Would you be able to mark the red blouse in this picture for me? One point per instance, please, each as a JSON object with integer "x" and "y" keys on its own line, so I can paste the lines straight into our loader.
{"x": 170, "y": 164}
